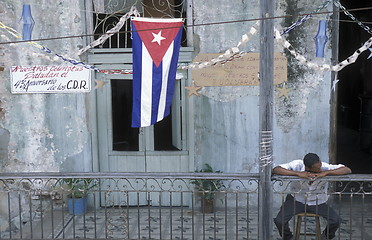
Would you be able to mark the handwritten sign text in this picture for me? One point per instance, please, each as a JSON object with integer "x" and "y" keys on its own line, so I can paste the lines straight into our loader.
{"x": 50, "y": 79}
{"x": 238, "y": 72}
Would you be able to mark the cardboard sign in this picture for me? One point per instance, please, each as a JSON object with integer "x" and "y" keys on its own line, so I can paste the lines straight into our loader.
{"x": 238, "y": 72}
{"x": 50, "y": 79}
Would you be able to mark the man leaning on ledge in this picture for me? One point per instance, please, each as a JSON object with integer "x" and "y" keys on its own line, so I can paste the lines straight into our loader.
{"x": 308, "y": 196}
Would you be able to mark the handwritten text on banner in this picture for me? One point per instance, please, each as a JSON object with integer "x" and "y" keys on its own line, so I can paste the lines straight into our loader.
{"x": 239, "y": 72}
{"x": 50, "y": 79}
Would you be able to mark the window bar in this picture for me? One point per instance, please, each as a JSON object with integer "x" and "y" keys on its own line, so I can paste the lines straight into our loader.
{"x": 118, "y": 40}
{"x": 215, "y": 229}
{"x": 9, "y": 217}
{"x": 226, "y": 227}
{"x": 138, "y": 217}
{"x": 293, "y": 222}
{"x": 110, "y": 42}
{"x": 247, "y": 216}
{"x": 203, "y": 215}
{"x": 362, "y": 232}
{"x": 149, "y": 213}
{"x": 193, "y": 215}
{"x": 351, "y": 216}
{"x": 52, "y": 215}
{"x": 20, "y": 214}
{"x": 284, "y": 197}
{"x": 328, "y": 216}
{"x": 106, "y": 220}
{"x": 305, "y": 217}
{"x": 127, "y": 216}
{"x": 41, "y": 216}
{"x": 160, "y": 219}
{"x": 339, "y": 212}
{"x": 182, "y": 217}
{"x": 95, "y": 213}
{"x": 170, "y": 214}
{"x": 236, "y": 216}
{"x": 63, "y": 219}
{"x": 84, "y": 224}
{"x": 126, "y": 28}
{"x": 31, "y": 225}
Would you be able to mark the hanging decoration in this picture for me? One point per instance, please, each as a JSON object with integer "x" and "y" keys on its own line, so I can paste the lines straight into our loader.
{"x": 47, "y": 50}
{"x": 283, "y": 91}
{"x": 321, "y": 38}
{"x": 193, "y": 89}
{"x": 100, "y": 83}
{"x": 28, "y": 22}
{"x": 323, "y": 67}
{"x": 304, "y": 19}
{"x": 229, "y": 54}
{"x": 14, "y": 33}
{"x": 234, "y": 52}
{"x": 334, "y": 83}
{"x": 116, "y": 71}
{"x": 344, "y": 10}
{"x": 132, "y": 12}
{"x": 370, "y": 55}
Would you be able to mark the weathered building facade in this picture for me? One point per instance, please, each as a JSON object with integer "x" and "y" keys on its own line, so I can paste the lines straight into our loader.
{"x": 85, "y": 132}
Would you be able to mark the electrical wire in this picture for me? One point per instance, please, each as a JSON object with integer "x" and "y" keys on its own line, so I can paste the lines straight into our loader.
{"x": 190, "y": 25}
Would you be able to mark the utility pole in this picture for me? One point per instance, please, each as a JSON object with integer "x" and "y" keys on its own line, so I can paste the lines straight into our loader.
{"x": 266, "y": 106}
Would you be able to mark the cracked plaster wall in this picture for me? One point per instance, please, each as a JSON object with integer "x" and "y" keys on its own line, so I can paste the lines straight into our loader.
{"x": 226, "y": 118}
{"x": 42, "y": 132}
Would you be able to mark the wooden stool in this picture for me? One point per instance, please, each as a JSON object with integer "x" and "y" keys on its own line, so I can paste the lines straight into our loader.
{"x": 318, "y": 232}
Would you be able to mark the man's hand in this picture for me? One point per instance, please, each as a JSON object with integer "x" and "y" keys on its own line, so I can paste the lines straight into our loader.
{"x": 306, "y": 175}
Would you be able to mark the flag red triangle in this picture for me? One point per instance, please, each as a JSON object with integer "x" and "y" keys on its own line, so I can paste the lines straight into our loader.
{"x": 166, "y": 30}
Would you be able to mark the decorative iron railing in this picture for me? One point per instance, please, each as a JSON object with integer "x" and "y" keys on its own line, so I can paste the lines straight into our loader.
{"x": 162, "y": 205}
{"x": 107, "y": 14}
{"x": 350, "y": 196}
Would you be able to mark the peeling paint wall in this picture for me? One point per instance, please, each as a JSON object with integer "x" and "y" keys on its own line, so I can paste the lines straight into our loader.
{"x": 226, "y": 118}
{"x": 42, "y": 132}
{"x": 49, "y": 132}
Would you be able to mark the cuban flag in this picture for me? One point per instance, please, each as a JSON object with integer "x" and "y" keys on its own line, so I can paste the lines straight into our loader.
{"x": 156, "y": 45}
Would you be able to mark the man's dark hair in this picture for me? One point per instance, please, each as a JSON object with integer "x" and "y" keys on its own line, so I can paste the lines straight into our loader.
{"x": 310, "y": 159}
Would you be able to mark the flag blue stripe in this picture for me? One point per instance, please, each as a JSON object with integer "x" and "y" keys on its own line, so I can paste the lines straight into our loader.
{"x": 172, "y": 72}
{"x": 137, "y": 78}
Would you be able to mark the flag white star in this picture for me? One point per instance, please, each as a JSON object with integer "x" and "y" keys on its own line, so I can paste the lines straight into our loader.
{"x": 157, "y": 37}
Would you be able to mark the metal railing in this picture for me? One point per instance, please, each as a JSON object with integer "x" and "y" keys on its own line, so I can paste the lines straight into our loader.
{"x": 350, "y": 196}
{"x": 161, "y": 205}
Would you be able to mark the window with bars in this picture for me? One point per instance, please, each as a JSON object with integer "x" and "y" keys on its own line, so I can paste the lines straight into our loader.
{"x": 107, "y": 14}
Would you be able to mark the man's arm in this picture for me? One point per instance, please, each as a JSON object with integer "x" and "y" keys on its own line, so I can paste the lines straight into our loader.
{"x": 338, "y": 171}
{"x": 286, "y": 172}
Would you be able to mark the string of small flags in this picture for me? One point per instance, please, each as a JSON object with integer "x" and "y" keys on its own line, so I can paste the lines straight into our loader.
{"x": 351, "y": 59}
{"x": 339, "y": 5}
{"x": 229, "y": 54}
{"x": 14, "y": 33}
{"x": 323, "y": 67}
{"x": 132, "y": 12}
{"x": 234, "y": 52}
{"x": 304, "y": 18}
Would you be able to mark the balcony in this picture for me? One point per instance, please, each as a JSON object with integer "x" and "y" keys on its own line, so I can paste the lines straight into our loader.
{"x": 163, "y": 206}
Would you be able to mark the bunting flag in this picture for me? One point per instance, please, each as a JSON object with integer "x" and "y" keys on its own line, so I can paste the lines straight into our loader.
{"x": 156, "y": 45}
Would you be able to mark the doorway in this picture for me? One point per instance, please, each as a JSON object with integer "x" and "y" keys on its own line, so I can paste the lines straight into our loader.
{"x": 354, "y": 104}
